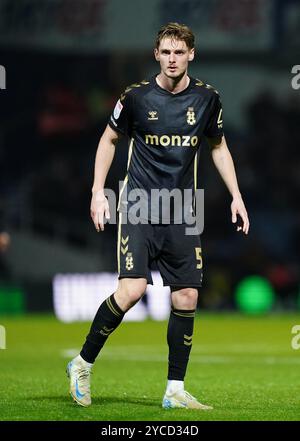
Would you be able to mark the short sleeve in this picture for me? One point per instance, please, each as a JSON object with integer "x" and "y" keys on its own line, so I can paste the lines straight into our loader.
{"x": 121, "y": 117}
{"x": 214, "y": 127}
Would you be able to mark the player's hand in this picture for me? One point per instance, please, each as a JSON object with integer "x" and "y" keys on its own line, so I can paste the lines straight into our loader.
{"x": 238, "y": 208}
{"x": 99, "y": 209}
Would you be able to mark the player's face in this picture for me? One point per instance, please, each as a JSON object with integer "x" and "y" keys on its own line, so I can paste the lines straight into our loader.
{"x": 173, "y": 56}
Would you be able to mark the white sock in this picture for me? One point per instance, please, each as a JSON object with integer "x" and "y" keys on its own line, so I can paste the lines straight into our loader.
{"x": 174, "y": 385}
{"x": 80, "y": 360}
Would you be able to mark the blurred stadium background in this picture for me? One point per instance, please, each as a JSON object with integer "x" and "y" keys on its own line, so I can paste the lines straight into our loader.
{"x": 66, "y": 62}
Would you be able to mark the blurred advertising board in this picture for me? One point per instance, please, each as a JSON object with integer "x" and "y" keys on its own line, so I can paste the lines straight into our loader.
{"x": 112, "y": 25}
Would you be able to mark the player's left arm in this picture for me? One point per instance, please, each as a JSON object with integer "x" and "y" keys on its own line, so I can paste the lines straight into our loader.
{"x": 224, "y": 163}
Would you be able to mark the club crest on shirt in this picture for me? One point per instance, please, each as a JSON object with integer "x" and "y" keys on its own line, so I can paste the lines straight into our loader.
{"x": 190, "y": 116}
{"x": 117, "y": 110}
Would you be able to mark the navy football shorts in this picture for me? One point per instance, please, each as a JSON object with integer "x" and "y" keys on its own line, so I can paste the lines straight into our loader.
{"x": 178, "y": 256}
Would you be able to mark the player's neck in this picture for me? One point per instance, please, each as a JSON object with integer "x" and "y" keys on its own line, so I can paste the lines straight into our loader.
{"x": 173, "y": 85}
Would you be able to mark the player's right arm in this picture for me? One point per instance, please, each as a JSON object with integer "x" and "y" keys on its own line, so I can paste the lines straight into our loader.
{"x": 104, "y": 157}
{"x": 119, "y": 125}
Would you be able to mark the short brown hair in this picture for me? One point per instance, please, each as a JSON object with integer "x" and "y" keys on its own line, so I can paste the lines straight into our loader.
{"x": 177, "y": 31}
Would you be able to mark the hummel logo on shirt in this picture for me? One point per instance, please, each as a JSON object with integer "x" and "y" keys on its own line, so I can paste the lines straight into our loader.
{"x": 152, "y": 115}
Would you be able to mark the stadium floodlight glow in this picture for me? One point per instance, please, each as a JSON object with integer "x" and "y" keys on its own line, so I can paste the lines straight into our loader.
{"x": 254, "y": 295}
{"x": 77, "y": 297}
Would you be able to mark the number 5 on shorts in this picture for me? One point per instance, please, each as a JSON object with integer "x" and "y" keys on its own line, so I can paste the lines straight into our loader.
{"x": 198, "y": 257}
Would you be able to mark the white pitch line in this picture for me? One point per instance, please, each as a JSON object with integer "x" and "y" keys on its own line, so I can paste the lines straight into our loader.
{"x": 70, "y": 353}
{"x": 123, "y": 354}
{"x": 236, "y": 348}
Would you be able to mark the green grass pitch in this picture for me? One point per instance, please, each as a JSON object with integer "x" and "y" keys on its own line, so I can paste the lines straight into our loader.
{"x": 244, "y": 367}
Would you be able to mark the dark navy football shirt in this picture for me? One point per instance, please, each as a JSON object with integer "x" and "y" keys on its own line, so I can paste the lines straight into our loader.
{"x": 165, "y": 131}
